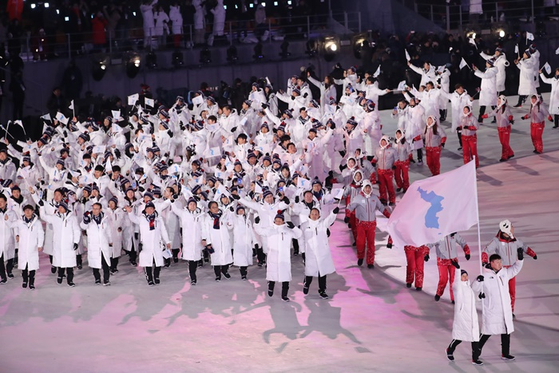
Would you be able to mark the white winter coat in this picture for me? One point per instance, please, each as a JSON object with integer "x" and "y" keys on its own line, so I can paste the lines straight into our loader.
{"x": 243, "y": 241}
{"x": 220, "y": 239}
{"x": 554, "y": 96}
{"x": 66, "y": 233}
{"x": 465, "y": 326}
{"x": 176, "y": 17}
{"x": 98, "y": 240}
{"x": 153, "y": 241}
{"x": 457, "y": 102}
{"x": 527, "y": 83}
{"x": 7, "y": 242}
{"x": 118, "y": 221}
{"x": 318, "y": 258}
{"x": 501, "y": 64}
{"x": 278, "y": 266}
{"x": 31, "y": 237}
{"x": 191, "y": 223}
{"x": 198, "y": 15}
{"x": 488, "y": 93}
{"x": 496, "y": 306}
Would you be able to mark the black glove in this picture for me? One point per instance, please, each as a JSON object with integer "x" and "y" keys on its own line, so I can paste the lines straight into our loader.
{"x": 389, "y": 245}
{"x": 455, "y": 263}
{"x": 480, "y": 278}
{"x": 297, "y": 199}
{"x": 303, "y": 256}
{"x": 481, "y": 295}
{"x": 327, "y": 232}
{"x": 468, "y": 256}
{"x": 234, "y": 129}
{"x": 346, "y": 219}
{"x": 336, "y": 210}
{"x": 305, "y": 95}
{"x": 210, "y": 249}
{"x": 442, "y": 144}
{"x": 86, "y": 219}
{"x": 535, "y": 257}
{"x": 170, "y": 133}
{"x": 342, "y": 153}
{"x": 264, "y": 105}
{"x": 520, "y": 252}
{"x": 290, "y": 225}
{"x": 41, "y": 203}
{"x": 394, "y": 167}
{"x": 140, "y": 247}
{"x": 136, "y": 236}
{"x": 426, "y": 258}
{"x": 236, "y": 197}
{"x": 285, "y": 200}
{"x": 293, "y": 97}
{"x": 231, "y": 209}
{"x": 257, "y": 220}
{"x": 75, "y": 246}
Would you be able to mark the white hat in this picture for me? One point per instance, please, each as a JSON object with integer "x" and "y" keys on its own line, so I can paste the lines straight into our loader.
{"x": 505, "y": 226}
{"x": 385, "y": 138}
{"x": 365, "y": 183}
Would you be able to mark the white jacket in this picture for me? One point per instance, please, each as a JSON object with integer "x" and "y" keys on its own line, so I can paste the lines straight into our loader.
{"x": 98, "y": 240}
{"x": 31, "y": 237}
{"x": 243, "y": 241}
{"x": 554, "y": 96}
{"x": 7, "y": 242}
{"x": 220, "y": 239}
{"x": 66, "y": 233}
{"x": 191, "y": 224}
{"x": 465, "y": 326}
{"x": 501, "y": 64}
{"x": 318, "y": 257}
{"x": 152, "y": 240}
{"x": 488, "y": 93}
{"x": 496, "y": 306}
{"x": 278, "y": 266}
{"x": 527, "y": 81}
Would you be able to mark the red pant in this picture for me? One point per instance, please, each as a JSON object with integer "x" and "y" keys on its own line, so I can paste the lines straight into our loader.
{"x": 434, "y": 159}
{"x": 402, "y": 174}
{"x": 469, "y": 149}
{"x": 512, "y": 290}
{"x": 504, "y": 137}
{"x": 177, "y": 40}
{"x": 386, "y": 182}
{"x": 414, "y": 270}
{"x": 536, "y": 130}
{"x": 366, "y": 232}
{"x": 446, "y": 270}
{"x": 353, "y": 224}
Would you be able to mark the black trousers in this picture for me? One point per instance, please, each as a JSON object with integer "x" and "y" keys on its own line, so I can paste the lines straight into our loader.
{"x": 106, "y": 273}
{"x": 260, "y": 256}
{"x": 284, "y": 287}
{"x": 459, "y": 134}
{"x": 69, "y": 274}
{"x": 152, "y": 273}
{"x": 218, "y": 270}
{"x": 79, "y": 261}
{"x": 2, "y": 268}
{"x": 521, "y": 100}
{"x": 114, "y": 264}
{"x": 420, "y": 155}
{"x": 28, "y": 276}
{"x": 505, "y": 343}
{"x": 555, "y": 120}
{"x": 295, "y": 243}
{"x": 192, "y": 266}
{"x": 475, "y": 348}
{"x": 321, "y": 282}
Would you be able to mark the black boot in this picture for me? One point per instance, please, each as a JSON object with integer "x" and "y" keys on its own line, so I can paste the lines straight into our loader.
{"x": 284, "y": 290}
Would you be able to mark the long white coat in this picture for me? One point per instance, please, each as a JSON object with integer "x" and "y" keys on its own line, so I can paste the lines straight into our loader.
{"x": 457, "y": 104}
{"x": 243, "y": 241}
{"x": 176, "y": 17}
{"x": 278, "y": 266}
{"x": 488, "y": 93}
{"x": 496, "y": 306}
{"x": 526, "y": 82}
{"x": 501, "y": 64}
{"x": 318, "y": 258}
{"x": 31, "y": 237}
{"x": 98, "y": 240}
{"x": 465, "y": 326}
{"x": 152, "y": 240}
{"x": 554, "y": 96}
{"x": 191, "y": 223}
{"x": 220, "y": 239}
{"x": 66, "y": 233}
{"x": 118, "y": 221}
{"x": 7, "y": 242}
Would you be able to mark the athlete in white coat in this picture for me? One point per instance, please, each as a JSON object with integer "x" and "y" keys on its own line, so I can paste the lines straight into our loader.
{"x": 99, "y": 242}
{"x": 65, "y": 240}
{"x": 30, "y": 237}
{"x": 7, "y": 243}
{"x": 279, "y": 236}
{"x": 153, "y": 239}
{"x": 488, "y": 87}
{"x": 191, "y": 224}
{"x": 217, "y": 239}
{"x": 316, "y": 250}
{"x": 554, "y": 96}
{"x": 118, "y": 220}
{"x": 527, "y": 81}
{"x": 243, "y": 240}
{"x": 465, "y": 327}
{"x": 493, "y": 287}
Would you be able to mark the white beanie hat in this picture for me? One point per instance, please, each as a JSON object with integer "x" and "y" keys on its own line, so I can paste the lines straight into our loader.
{"x": 505, "y": 226}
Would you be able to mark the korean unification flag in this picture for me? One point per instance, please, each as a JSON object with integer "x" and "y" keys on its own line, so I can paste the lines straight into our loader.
{"x": 150, "y": 102}
{"x": 529, "y": 36}
{"x": 303, "y": 183}
{"x": 132, "y": 99}
{"x": 435, "y": 207}
{"x": 463, "y": 63}
{"x": 61, "y": 118}
{"x": 408, "y": 58}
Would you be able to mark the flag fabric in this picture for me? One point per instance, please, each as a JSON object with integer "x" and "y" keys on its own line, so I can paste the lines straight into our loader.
{"x": 257, "y": 188}
{"x": 150, "y": 102}
{"x": 557, "y": 51}
{"x": 198, "y": 100}
{"x": 408, "y": 58}
{"x": 401, "y": 86}
{"x": 303, "y": 183}
{"x": 377, "y": 73}
{"x": 463, "y": 63}
{"x": 46, "y": 117}
{"x": 108, "y": 166}
{"x": 61, "y": 118}
{"x": 435, "y": 207}
{"x": 71, "y": 107}
{"x": 473, "y": 42}
{"x": 214, "y": 152}
{"x": 516, "y": 50}
{"x": 529, "y": 36}
{"x": 116, "y": 114}
{"x": 132, "y": 99}
{"x": 547, "y": 68}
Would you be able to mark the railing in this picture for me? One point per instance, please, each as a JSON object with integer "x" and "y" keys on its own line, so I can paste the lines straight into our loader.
{"x": 454, "y": 16}
{"x": 41, "y": 47}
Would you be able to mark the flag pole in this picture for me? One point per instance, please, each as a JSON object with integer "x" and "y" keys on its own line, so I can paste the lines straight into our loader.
{"x": 477, "y": 212}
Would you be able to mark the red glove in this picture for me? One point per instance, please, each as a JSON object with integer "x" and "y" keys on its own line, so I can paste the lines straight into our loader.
{"x": 510, "y": 118}
{"x": 485, "y": 116}
{"x": 525, "y": 117}
{"x": 417, "y": 138}
{"x": 550, "y": 118}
